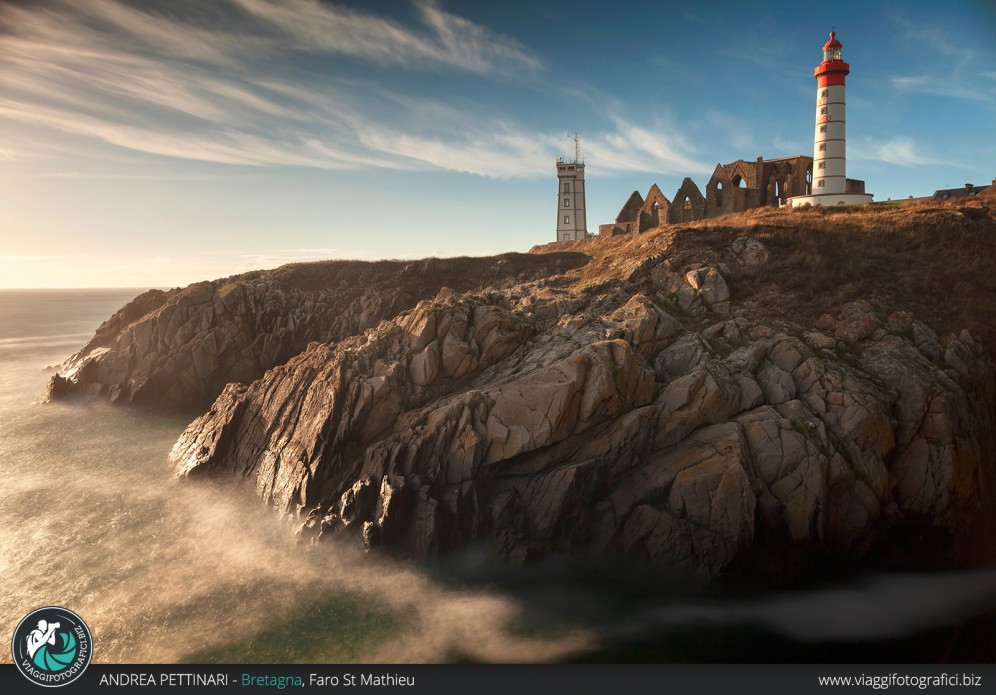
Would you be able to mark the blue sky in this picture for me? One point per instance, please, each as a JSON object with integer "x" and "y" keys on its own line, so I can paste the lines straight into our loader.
{"x": 159, "y": 143}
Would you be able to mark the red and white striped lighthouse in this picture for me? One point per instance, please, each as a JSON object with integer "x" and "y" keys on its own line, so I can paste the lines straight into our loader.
{"x": 829, "y": 181}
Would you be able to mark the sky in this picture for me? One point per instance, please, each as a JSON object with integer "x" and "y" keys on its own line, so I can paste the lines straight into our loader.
{"x": 149, "y": 143}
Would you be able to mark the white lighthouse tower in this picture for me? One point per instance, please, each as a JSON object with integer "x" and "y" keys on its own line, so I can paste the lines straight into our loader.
{"x": 571, "y": 222}
{"x": 830, "y": 183}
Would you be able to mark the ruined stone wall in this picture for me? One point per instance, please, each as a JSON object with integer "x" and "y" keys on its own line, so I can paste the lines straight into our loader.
{"x": 688, "y": 204}
{"x": 655, "y": 209}
{"x": 617, "y": 228}
{"x": 786, "y": 177}
{"x": 630, "y": 212}
{"x": 734, "y": 187}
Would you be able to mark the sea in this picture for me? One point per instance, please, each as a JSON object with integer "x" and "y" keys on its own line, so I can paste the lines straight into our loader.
{"x": 93, "y": 519}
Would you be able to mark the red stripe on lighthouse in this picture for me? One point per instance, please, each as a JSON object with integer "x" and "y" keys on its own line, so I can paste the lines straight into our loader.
{"x": 826, "y": 80}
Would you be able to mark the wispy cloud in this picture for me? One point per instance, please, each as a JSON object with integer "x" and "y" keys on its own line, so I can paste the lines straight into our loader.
{"x": 899, "y": 151}
{"x": 935, "y": 38}
{"x": 657, "y": 149}
{"x": 505, "y": 154}
{"x": 222, "y": 145}
{"x": 941, "y": 86}
{"x": 445, "y": 39}
{"x": 206, "y": 85}
{"x": 955, "y": 65}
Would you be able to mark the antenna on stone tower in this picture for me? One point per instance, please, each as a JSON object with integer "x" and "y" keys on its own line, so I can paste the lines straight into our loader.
{"x": 571, "y": 220}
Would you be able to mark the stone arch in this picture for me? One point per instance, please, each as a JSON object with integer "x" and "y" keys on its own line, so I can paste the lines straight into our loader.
{"x": 718, "y": 200}
{"x": 777, "y": 175}
{"x": 771, "y": 187}
{"x": 785, "y": 178}
{"x": 785, "y": 188}
{"x": 802, "y": 177}
{"x": 741, "y": 172}
{"x": 688, "y": 204}
{"x": 655, "y": 209}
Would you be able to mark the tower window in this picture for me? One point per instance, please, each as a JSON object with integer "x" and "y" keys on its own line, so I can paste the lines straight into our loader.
{"x": 567, "y": 187}
{"x": 567, "y": 218}
{"x": 567, "y": 202}
{"x": 819, "y": 183}
{"x": 824, "y": 92}
{"x": 823, "y": 129}
{"x": 823, "y": 110}
{"x": 823, "y": 146}
{"x": 821, "y": 165}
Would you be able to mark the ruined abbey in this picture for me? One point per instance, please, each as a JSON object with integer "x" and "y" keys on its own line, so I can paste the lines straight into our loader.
{"x": 734, "y": 187}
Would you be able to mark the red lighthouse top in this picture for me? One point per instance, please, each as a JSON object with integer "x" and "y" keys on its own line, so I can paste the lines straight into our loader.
{"x": 832, "y": 70}
{"x": 832, "y": 43}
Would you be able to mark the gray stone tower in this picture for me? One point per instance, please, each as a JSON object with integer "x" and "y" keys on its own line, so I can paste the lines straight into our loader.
{"x": 571, "y": 222}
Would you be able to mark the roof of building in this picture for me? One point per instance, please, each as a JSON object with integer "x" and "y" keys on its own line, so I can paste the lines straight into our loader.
{"x": 965, "y": 191}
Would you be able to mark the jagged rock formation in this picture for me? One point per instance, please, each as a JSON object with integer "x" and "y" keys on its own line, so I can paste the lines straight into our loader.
{"x": 687, "y": 398}
{"x": 183, "y": 346}
{"x": 627, "y": 409}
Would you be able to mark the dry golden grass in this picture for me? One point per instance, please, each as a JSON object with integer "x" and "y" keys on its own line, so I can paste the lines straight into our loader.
{"x": 936, "y": 259}
{"x": 408, "y": 279}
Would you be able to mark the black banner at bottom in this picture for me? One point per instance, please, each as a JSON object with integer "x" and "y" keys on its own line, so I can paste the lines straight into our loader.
{"x": 704, "y": 679}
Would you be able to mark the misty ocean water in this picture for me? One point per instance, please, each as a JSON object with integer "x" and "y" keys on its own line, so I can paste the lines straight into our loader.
{"x": 93, "y": 519}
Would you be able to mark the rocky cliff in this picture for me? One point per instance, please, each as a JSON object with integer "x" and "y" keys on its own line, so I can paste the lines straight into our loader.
{"x": 183, "y": 346}
{"x": 677, "y": 400}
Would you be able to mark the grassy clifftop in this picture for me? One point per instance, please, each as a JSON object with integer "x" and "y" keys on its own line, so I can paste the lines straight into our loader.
{"x": 936, "y": 259}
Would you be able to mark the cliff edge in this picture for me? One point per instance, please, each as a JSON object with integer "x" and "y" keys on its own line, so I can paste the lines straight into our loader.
{"x": 180, "y": 348}
{"x": 684, "y": 399}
